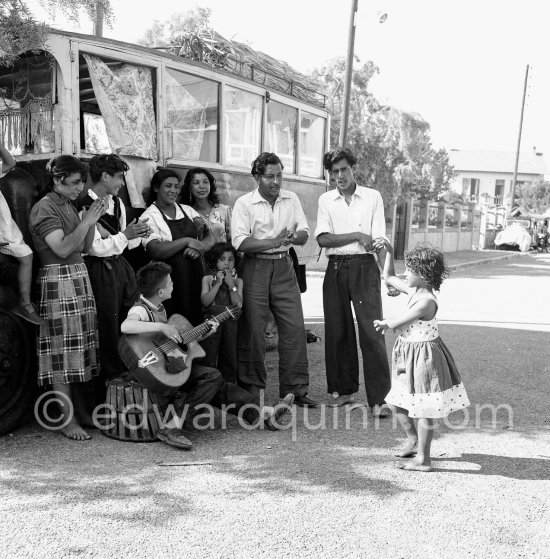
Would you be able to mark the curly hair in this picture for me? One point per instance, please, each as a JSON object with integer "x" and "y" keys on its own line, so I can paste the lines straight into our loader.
{"x": 428, "y": 263}
{"x": 109, "y": 163}
{"x": 261, "y": 162}
{"x": 186, "y": 196}
{"x": 216, "y": 252}
{"x": 151, "y": 277}
{"x": 156, "y": 181}
{"x": 337, "y": 154}
{"x": 60, "y": 168}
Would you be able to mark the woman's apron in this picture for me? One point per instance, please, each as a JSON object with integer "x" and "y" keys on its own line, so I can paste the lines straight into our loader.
{"x": 186, "y": 273}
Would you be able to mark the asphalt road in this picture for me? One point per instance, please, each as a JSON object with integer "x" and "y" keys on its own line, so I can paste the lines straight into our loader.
{"x": 324, "y": 487}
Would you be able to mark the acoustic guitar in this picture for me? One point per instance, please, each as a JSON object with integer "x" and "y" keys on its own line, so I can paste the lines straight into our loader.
{"x": 161, "y": 364}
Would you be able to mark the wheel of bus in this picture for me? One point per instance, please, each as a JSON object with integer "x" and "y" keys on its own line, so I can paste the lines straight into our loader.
{"x": 17, "y": 374}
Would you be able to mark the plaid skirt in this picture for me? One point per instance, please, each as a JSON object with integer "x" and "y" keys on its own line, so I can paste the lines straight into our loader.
{"x": 67, "y": 342}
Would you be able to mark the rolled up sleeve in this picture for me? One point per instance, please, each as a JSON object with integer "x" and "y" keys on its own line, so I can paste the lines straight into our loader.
{"x": 240, "y": 224}
{"x": 323, "y": 219}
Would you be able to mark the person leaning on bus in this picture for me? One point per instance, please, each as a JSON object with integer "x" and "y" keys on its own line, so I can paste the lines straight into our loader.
{"x": 175, "y": 232}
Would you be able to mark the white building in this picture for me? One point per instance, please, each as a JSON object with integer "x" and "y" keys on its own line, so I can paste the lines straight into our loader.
{"x": 485, "y": 177}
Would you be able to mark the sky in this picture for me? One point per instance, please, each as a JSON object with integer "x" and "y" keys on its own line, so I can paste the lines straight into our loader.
{"x": 459, "y": 64}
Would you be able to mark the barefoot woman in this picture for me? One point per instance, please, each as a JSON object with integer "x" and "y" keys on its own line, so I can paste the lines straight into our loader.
{"x": 67, "y": 342}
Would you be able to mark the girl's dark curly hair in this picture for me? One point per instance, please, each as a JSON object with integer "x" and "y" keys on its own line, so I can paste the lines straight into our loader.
{"x": 428, "y": 263}
{"x": 214, "y": 254}
{"x": 186, "y": 197}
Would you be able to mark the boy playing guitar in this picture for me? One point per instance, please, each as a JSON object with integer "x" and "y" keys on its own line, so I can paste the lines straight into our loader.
{"x": 202, "y": 385}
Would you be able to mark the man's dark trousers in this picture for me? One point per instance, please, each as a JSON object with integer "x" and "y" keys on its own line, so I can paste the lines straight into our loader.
{"x": 355, "y": 279}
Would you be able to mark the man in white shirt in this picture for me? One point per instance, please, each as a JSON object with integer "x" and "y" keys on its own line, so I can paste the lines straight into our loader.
{"x": 111, "y": 276}
{"x": 264, "y": 224}
{"x": 350, "y": 217}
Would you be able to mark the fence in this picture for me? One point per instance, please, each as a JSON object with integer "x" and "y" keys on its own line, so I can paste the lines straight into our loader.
{"x": 450, "y": 227}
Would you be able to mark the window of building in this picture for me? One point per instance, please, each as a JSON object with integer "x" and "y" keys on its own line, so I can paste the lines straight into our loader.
{"x": 280, "y": 138}
{"x": 191, "y": 120}
{"x": 470, "y": 189}
{"x": 243, "y": 126}
{"x": 499, "y": 191}
{"x": 312, "y": 142}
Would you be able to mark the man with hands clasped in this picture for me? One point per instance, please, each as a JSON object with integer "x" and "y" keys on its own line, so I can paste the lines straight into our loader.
{"x": 264, "y": 224}
{"x": 351, "y": 226}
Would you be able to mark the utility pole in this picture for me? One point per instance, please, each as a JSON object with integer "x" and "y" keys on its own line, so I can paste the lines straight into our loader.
{"x": 98, "y": 22}
{"x": 349, "y": 72}
{"x": 514, "y": 180}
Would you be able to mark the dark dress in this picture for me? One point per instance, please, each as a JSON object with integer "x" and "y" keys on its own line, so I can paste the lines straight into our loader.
{"x": 221, "y": 347}
{"x": 186, "y": 273}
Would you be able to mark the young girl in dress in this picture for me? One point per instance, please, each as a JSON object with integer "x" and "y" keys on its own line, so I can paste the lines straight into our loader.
{"x": 426, "y": 384}
{"x": 221, "y": 288}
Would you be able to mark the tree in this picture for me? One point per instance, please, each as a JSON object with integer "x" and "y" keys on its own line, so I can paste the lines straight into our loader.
{"x": 19, "y": 31}
{"x": 73, "y": 8}
{"x": 534, "y": 197}
{"x": 163, "y": 33}
{"x": 394, "y": 149}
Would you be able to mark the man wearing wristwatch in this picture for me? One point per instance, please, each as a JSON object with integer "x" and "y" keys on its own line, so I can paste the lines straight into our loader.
{"x": 264, "y": 224}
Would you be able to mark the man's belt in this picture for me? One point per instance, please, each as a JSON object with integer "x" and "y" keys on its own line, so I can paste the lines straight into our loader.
{"x": 269, "y": 255}
{"x": 346, "y": 257}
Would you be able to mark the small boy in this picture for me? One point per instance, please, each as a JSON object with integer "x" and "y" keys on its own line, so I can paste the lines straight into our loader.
{"x": 205, "y": 384}
{"x": 12, "y": 244}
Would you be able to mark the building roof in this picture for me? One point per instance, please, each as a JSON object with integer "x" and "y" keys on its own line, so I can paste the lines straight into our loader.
{"x": 496, "y": 162}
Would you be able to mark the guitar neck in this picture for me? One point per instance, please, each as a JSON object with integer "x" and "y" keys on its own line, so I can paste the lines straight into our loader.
{"x": 203, "y": 328}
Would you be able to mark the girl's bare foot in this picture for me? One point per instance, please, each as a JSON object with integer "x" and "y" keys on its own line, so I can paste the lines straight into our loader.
{"x": 416, "y": 466}
{"x": 75, "y": 432}
{"x": 408, "y": 450}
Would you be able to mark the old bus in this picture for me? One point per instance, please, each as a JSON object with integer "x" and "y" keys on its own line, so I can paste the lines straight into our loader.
{"x": 84, "y": 95}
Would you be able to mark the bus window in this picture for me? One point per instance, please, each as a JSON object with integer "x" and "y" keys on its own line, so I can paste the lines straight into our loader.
{"x": 243, "y": 126}
{"x": 117, "y": 107}
{"x": 312, "y": 142}
{"x": 192, "y": 117}
{"x": 282, "y": 122}
{"x": 26, "y": 108}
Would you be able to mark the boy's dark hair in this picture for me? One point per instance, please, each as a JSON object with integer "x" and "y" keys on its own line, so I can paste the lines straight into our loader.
{"x": 151, "y": 277}
{"x": 336, "y": 155}
{"x": 186, "y": 197}
{"x": 109, "y": 163}
{"x": 428, "y": 263}
{"x": 262, "y": 161}
{"x": 214, "y": 254}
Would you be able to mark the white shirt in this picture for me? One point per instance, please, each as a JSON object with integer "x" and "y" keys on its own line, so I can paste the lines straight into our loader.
{"x": 159, "y": 227}
{"x": 113, "y": 245}
{"x": 364, "y": 214}
{"x": 254, "y": 217}
{"x": 137, "y": 312}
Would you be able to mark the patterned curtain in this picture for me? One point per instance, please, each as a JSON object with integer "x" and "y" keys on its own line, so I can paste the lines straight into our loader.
{"x": 125, "y": 98}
